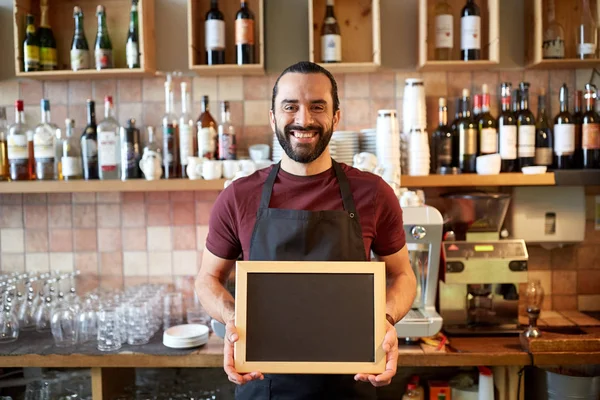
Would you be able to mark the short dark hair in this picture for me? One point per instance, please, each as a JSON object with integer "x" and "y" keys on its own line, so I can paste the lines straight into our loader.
{"x": 307, "y": 67}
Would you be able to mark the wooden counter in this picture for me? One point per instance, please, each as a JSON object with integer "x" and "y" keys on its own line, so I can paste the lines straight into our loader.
{"x": 463, "y": 351}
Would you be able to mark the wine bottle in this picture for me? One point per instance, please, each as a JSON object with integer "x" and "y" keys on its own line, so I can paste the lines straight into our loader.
{"x": 244, "y": 35}
{"x": 526, "y": 129}
{"x": 470, "y": 32}
{"x": 214, "y": 35}
{"x": 564, "y": 133}
{"x": 71, "y": 154}
{"x": 467, "y": 136}
{"x": 48, "y": 60}
{"x": 103, "y": 48}
{"x": 132, "y": 46}
{"x": 477, "y": 100}
{"x": 131, "y": 149}
{"x": 80, "y": 51}
{"x": 591, "y": 130}
{"x": 442, "y": 140}
{"x": 170, "y": 148}
{"x": 89, "y": 144}
{"x": 578, "y": 120}
{"x": 507, "y": 130}
{"x": 543, "y": 136}
{"x": 4, "y": 174}
{"x": 454, "y": 128}
{"x": 488, "y": 131}
{"x": 31, "y": 47}
{"x": 331, "y": 40}
{"x": 444, "y": 30}
{"x": 226, "y": 135}
{"x": 207, "y": 132}
{"x": 20, "y": 147}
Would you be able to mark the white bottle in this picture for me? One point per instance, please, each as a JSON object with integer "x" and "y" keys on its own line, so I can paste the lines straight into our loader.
{"x": 186, "y": 129}
{"x": 109, "y": 146}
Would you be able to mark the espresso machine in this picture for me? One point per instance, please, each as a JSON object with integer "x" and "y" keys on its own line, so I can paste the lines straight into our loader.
{"x": 423, "y": 226}
{"x": 479, "y": 289}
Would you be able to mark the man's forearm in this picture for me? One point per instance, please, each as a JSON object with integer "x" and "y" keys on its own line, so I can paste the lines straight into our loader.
{"x": 215, "y": 299}
{"x": 400, "y": 295}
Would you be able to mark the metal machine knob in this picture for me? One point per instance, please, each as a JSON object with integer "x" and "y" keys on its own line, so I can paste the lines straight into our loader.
{"x": 418, "y": 232}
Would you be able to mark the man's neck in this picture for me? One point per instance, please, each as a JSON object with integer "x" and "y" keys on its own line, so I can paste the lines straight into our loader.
{"x": 321, "y": 164}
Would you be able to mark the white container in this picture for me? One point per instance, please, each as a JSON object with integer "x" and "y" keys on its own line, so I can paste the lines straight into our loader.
{"x": 488, "y": 164}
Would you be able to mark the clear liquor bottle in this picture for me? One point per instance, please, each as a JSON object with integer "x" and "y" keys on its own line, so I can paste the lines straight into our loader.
{"x": 553, "y": 45}
{"x": 4, "y": 175}
{"x": 109, "y": 149}
{"x": 586, "y": 32}
{"x": 44, "y": 139}
{"x": 226, "y": 135}
{"x": 20, "y": 147}
{"x": 71, "y": 154}
{"x": 170, "y": 132}
{"x": 186, "y": 131}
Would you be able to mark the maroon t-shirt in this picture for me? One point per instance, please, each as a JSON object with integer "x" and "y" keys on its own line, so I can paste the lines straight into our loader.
{"x": 234, "y": 213}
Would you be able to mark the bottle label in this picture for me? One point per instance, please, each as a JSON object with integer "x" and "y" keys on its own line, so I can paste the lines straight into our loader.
{"x": 543, "y": 156}
{"x": 80, "y": 59}
{"x": 227, "y": 145}
{"x": 445, "y": 152}
{"x": 214, "y": 34}
{"x": 244, "y": 31}
{"x": 591, "y": 137}
{"x": 554, "y": 48}
{"x": 526, "y": 141}
{"x": 89, "y": 149}
{"x": 130, "y": 155}
{"x": 508, "y": 142}
{"x": 586, "y": 48}
{"x": 186, "y": 143}
{"x": 48, "y": 59}
{"x": 107, "y": 150}
{"x": 444, "y": 34}
{"x": 132, "y": 54}
{"x": 103, "y": 58}
{"x": 470, "y": 32}
{"x": 488, "y": 141}
{"x": 43, "y": 147}
{"x": 71, "y": 166}
{"x": 467, "y": 141}
{"x": 32, "y": 56}
{"x": 17, "y": 147}
{"x": 168, "y": 144}
{"x": 564, "y": 139}
{"x": 206, "y": 142}
{"x": 331, "y": 48}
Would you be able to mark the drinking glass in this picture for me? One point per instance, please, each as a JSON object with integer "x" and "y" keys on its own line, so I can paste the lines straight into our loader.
{"x": 109, "y": 329}
{"x": 172, "y": 310}
{"x": 64, "y": 325}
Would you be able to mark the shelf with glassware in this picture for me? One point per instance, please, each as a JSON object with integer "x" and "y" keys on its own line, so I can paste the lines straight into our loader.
{"x": 561, "y": 34}
{"x": 226, "y": 37}
{"x": 52, "y": 40}
{"x": 457, "y": 35}
{"x": 345, "y": 36}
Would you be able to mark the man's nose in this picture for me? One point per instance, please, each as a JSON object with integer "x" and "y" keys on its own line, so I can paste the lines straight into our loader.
{"x": 303, "y": 117}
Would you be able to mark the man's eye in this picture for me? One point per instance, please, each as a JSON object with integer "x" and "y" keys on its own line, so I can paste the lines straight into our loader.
{"x": 289, "y": 107}
{"x": 318, "y": 108}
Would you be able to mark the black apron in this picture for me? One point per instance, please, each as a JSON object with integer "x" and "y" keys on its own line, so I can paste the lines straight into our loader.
{"x": 300, "y": 235}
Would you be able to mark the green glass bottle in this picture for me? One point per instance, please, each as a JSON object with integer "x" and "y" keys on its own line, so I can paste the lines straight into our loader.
{"x": 48, "y": 61}
{"x": 132, "y": 47}
{"x": 80, "y": 51}
{"x": 103, "y": 48}
{"x": 31, "y": 47}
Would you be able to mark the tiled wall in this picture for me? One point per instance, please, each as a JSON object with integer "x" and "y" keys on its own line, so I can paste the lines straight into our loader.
{"x": 117, "y": 239}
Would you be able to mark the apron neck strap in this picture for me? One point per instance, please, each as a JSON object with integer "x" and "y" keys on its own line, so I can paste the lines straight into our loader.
{"x": 347, "y": 198}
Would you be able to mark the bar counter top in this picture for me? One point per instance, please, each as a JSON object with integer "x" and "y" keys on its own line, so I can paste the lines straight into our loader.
{"x": 30, "y": 351}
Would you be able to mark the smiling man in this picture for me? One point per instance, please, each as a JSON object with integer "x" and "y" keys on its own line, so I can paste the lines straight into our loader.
{"x": 306, "y": 208}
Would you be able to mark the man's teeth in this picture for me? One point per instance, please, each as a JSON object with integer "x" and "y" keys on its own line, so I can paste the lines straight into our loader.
{"x": 304, "y": 134}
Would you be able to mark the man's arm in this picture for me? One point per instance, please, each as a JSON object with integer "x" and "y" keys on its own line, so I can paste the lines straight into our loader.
{"x": 210, "y": 287}
{"x": 401, "y": 284}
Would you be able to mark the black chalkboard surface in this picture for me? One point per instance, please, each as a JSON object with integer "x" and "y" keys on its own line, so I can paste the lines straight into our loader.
{"x": 310, "y": 317}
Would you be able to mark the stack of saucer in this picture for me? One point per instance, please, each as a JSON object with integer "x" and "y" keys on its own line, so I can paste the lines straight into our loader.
{"x": 368, "y": 141}
{"x": 346, "y": 146}
{"x": 277, "y": 149}
{"x": 186, "y": 336}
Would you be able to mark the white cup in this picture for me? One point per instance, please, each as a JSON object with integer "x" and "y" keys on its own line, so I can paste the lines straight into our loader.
{"x": 230, "y": 168}
{"x": 194, "y": 167}
{"x": 259, "y": 152}
{"x": 365, "y": 161}
{"x": 247, "y": 166}
{"x": 212, "y": 169}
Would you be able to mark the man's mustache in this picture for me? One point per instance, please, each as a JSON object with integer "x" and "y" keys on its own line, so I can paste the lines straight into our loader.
{"x": 303, "y": 128}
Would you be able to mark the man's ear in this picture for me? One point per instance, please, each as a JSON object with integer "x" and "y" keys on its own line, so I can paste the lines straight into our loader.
{"x": 336, "y": 119}
{"x": 272, "y": 120}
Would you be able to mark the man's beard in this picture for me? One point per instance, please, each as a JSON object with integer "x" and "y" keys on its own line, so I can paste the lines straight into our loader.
{"x": 303, "y": 153}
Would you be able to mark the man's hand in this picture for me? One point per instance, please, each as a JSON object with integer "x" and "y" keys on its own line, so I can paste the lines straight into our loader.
{"x": 390, "y": 346}
{"x": 231, "y": 337}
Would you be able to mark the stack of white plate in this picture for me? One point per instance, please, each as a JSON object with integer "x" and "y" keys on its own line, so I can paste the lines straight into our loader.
{"x": 346, "y": 146}
{"x": 277, "y": 149}
{"x": 367, "y": 141}
{"x": 186, "y": 336}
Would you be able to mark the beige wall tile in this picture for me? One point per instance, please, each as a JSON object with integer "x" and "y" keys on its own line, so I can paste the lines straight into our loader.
{"x": 12, "y": 240}
{"x": 185, "y": 262}
{"x": 358, "y": 114}
{"x": 109, "y": 215}
{"x": 61, "y": 261}
{"x": 134, "y": 239}
{"x": 9, "y": 92}
{"x": 230, "y": 88}
{"x": 257, "y": 88}
{"x": 105, "y": 87}
{"x": 153, "y": 90}
{"x": 129, "y": 90}
{"x": 61, "y": 239}
{"x": 457, "y": 81}
{"x": 57, "y": 92}
{"x": 204, "y": 86}
{"x": 564, "y": 282}
{"x": 588, "y": 302}
{"x": 12, "y": 263}
{"x": 160, "y": 263}
{"x": 588, "y": 281}
{"x": 401, "y": 78}
{"x": 109, "y": 239}
{"x": 201, "y": 233}
{"x": 32, "y": 92}
{"x": 111, "y": 263}
{"x": 491, "y": 78}
{"x": 256, "y": 112}
{"x": 80, "y": 92}
{"x": 135, "y": 263}
{"x": 87, "y": 263}
{"x": 59, "y": 216}
{"x": 436, "y": 84}
{"x": 11, "y": 216}
{"x": 159, "y": 238}
{"x": 382, "y": 85}
{"x": 108, "y": 197}
{"x": 37, "y": 262}
{"x": 545, "y": 278}
{"x": 132, "y": 110}
{"x": 357, "y": 86}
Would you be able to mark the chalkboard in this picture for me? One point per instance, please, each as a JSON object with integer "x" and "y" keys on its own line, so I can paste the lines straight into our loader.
{"x": 310, "y": 317}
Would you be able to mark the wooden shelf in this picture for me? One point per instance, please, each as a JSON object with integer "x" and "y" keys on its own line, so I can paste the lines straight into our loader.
{"x": 61, "y": 21}
{"x": 490, "y": 37}
{"x": 196, "y": 12}
{"x": 359, "y": 22}
{"x": 566, "y": 14}
{"x": 138, "y": 185}
{"x": 470, "y": 180}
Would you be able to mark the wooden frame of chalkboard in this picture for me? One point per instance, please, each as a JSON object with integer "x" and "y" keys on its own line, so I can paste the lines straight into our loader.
{"x": 310, "y": 317}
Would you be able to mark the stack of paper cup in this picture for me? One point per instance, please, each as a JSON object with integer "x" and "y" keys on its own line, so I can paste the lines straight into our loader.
{"x": 388, "y": 145}
{"x": 418, "y": 147}
{"x": 413, "y": 105}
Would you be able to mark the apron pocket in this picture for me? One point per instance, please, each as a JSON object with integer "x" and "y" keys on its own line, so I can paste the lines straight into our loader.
{"x": 254, "y": 390}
